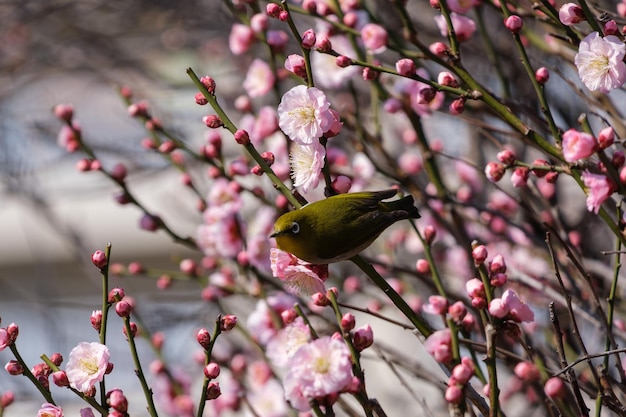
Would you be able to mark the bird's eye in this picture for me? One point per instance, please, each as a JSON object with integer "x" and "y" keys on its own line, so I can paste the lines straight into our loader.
{"x": 295, "y": 228}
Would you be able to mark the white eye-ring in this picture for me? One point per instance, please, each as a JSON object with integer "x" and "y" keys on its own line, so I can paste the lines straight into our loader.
{"x": 295, "y": 228}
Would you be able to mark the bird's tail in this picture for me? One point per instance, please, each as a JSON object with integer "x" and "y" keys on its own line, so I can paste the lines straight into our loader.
{"x": 406, "y": 204}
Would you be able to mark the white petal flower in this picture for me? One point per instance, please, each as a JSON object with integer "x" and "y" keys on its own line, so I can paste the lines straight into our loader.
{"x": 600, "y": 62}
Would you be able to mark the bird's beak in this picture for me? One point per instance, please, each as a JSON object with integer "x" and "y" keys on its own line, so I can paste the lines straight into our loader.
{"x": 275, "y": 234}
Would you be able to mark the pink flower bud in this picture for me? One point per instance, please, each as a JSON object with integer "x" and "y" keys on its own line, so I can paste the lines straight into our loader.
{"x": 6, "y": 399}
{"x": 188, "y": 267}
{"x": 139, "y": 109}
{"x": 618, "y": 159}
{"x": 228, "y": 322}
{"x": 149, "y": 222}
{"x": 610, "y": 28}
{"x": 374, "y": 37}
{"x": 363, "y": 338}
{"x": 447, "y": 79}
{"x": 551, "y": 177}
{"x": 204, "y": 338}
{"x": 212, "y": 121}
{"x": 479, "y": 253}
{"x": 430, "y": 233}
{"x": 117, "y": 400}
{"x": 324, "y": 45}
{"x": 454, "y": 394}
{"x": 457, "y": 311}
{"x": 116, "y": 294}
{"x": 12, "y": 332}
{"x": 99, "y": 259}
{"x": 136, "y": 268}
{"x": 606, "y": 137}
{"x": 494, "y": 171}
{"x": 370, "y": 74}
{"x": 348, "y": 321}
{"x": 213, "y": 390}
{"x": 60, "y": 379}
{"x": 554, "y": 388}
{"x": 123, "y": 309}
{"x": 343, "y": 61}
{"x": 212, "y": 370}
{"x": 209, "y": 83}
{"x": 242, "y": 137}
{"x": 425, "y": 95}
{"x": 498, "y": 280}
{"x": 320, "y": 299}
{"x": 309, "y": 39}
{"x": 527, "y": 372}
{"x": 341, "y": 184}
{"x": 351, "y": 19}
{"x": 283, "y": 16}
{"x": 14, "y": 368}
{"x": 542, "y": 75}
{"x": 259, "y": 23}
{"x": 498, "y": 308}
{"x": 288, "y": 316}
{"x": 295, "y": 63}
{"x": 457, "y": 106}
{"x": 83, "y": 165}
{"x": 133, "y": 330}
{"x": 64, "y": 112}
{"x": 96, "y": 319}
{"x": 577, "y": 145}
{"x": 200, "y": 99}
{"x": 520, "y": 177}
{"x": 514, "y": 23}
{"x": 439, "y": 48}
{"x": 475, "y": 288}
{"x": 570, "y": 14}
{"x": 422, "y": 266}
{"x": 405, "y": 66}
{"x": 506, "y": 156}
{"x": 436, "y": 305}
{"x": 462, "y": 373}
{"x": 497, "y": 265}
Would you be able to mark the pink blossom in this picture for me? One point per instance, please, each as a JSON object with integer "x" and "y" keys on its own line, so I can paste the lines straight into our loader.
{"x": 571, "y": 13}
{"x": 511, "y": 308}
{"x": 303, "y": 114}
{"x": 464, "y": 27}
{"x": 327, "y": 73}
{"x": 259, "y": 79}
{"x": 514, "y": 23}
{"x": 86, "y": 412}
{"x": 306, "y": 165}
{"x": 436, "y": 305}
{"x": 268, "y": 400}
{"x": 600, "y": 62}
{"x": 599, "y": 189}
{"x": 319, "y": 368}
{"x": 461, "y": 6}
{"x": 299, "y": 277}
{"x": 438, "y": 345}
{"x": 520, "y": 177}
{"x": 578, "y": 145}
{"x": 374, "y": 37}
{"x": 260, "y": 321}
{"x": 240, "y": 39}
{"x": 87, "y": 364}
{"x": 410, "y": 163}
{"x": 281, "y": 347}
{"x": 50, "y": 410}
